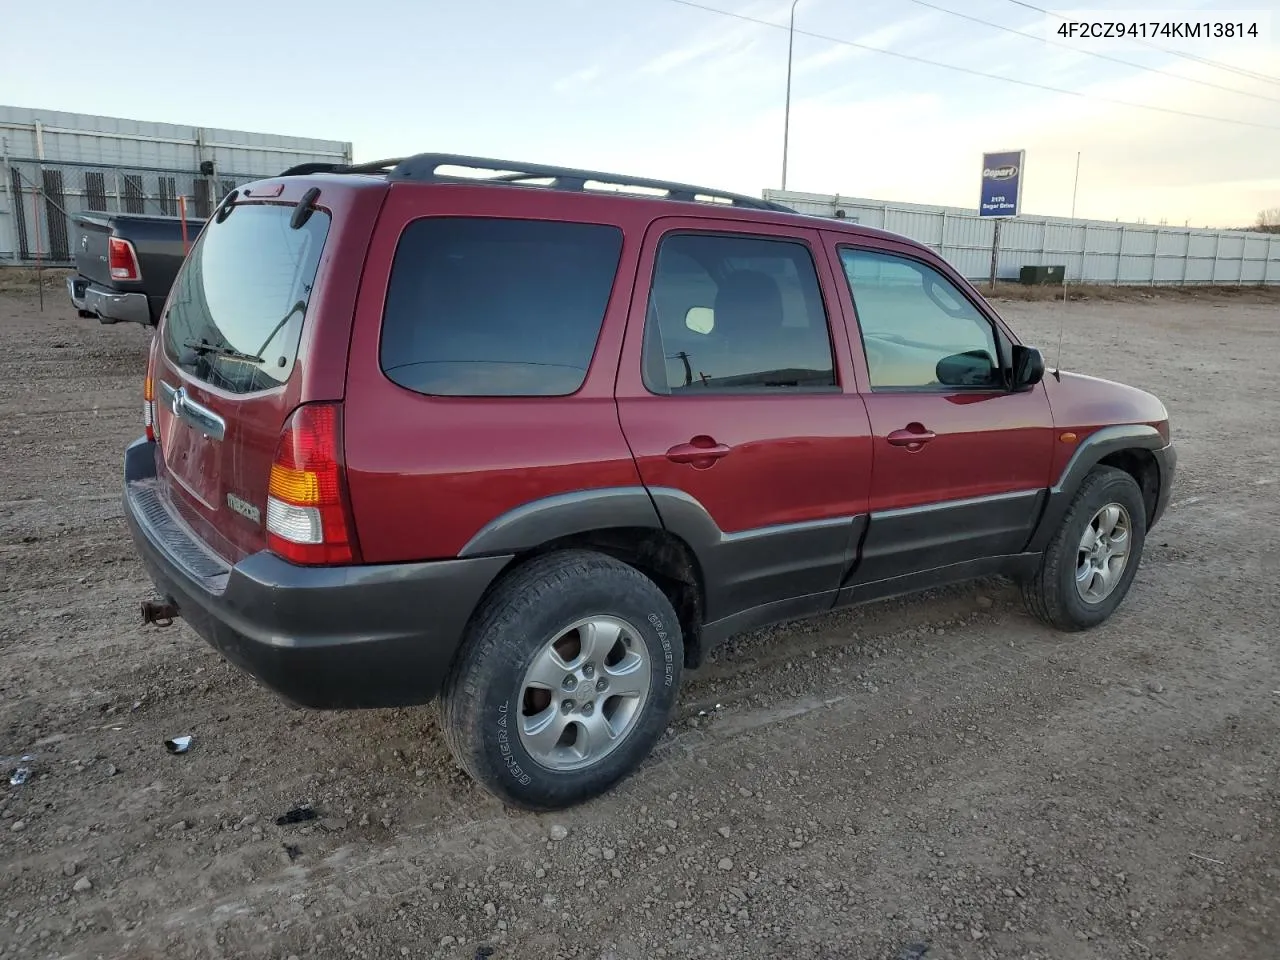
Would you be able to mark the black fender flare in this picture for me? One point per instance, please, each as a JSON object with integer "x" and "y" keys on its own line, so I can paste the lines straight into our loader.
{"x": 584, "y": 511}
{"x": 735, "y": 571}
{"x": 1092, "y": 449}
{"x": 563, "y": 515}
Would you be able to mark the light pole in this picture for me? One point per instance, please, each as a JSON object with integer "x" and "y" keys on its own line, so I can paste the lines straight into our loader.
{"x": 1075, "y": 187}
{"x": 786, "y": 116}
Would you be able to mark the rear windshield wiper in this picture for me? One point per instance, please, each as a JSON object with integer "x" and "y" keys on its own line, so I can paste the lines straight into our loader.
{"x": 204, "y": 346}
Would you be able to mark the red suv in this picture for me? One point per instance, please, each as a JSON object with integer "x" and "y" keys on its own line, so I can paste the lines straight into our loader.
{"x": 520, "y": 438}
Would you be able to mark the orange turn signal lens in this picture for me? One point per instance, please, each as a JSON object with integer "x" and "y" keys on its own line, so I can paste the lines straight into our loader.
{"x": 298, "y": 487}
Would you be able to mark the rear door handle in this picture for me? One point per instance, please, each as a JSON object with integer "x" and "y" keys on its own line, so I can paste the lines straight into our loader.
{"x": 701, "y": 452}
{"x": 913, "y": 436}
{"x": 201, "y": 417}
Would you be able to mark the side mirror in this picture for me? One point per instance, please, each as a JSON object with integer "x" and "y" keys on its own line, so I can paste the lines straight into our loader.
{"x": 973, "y": 368}
{"x": 1028, "y": 367}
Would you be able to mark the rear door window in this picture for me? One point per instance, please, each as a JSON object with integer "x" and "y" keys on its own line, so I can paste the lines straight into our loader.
{"x": 496, "y": 307}
{"x": 238, "y": 305}
{"x": 735, "y": 313}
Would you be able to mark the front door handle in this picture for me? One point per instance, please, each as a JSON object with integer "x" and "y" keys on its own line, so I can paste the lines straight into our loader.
{"x": 700, "y": 452}
{"x": 913, "y": 436}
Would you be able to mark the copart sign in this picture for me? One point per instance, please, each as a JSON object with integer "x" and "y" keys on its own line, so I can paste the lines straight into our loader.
{"x": 1001, "y": 183}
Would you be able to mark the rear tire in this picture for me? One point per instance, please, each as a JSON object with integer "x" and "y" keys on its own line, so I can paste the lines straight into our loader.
{"x": 1089, "y": 565}
{"x": 566, "y": 680}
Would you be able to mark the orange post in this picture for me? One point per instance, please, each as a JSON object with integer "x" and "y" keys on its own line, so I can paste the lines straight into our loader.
{"x": 182, "y": 210}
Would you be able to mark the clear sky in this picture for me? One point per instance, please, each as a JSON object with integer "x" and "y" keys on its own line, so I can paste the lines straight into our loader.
{"x": 658, "y": 88}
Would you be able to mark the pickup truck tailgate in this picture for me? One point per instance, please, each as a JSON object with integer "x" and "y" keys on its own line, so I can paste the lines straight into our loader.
{"x": 90, "y": 246}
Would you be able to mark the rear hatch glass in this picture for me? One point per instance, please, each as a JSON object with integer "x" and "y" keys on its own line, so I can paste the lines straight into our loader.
{"x": 230, "y": 340}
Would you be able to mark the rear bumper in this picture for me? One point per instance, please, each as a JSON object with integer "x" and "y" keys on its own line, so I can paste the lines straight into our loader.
{"x": 322, "y": 637}
{"x": 75, "y": 290}
{"x": 108, "y": 305}
{"x": 1167, "y": 463}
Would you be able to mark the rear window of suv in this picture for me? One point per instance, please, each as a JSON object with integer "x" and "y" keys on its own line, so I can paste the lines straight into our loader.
{"x": 235, "y": 316}
{"x": 494, "y": 307}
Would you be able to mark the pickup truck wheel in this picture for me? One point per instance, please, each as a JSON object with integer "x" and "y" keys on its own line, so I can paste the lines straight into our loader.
{"x": 1089, "y": 564}
{"x": 566, "y": 680}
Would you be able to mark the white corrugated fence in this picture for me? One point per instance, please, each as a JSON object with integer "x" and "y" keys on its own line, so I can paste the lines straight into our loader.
{"x": 1093, "y": 251}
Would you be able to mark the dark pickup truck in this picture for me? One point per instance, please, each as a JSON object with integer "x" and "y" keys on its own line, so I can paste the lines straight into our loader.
{"x": 126, "y": 263}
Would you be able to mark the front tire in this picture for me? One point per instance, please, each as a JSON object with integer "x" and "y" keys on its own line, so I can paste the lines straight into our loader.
{"x": 1090, "y": 563}
{"x": 566, "y": 680}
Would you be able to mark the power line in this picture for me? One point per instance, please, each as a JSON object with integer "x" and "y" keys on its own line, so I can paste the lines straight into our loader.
{"x": 1230, "y": 68}
{"x": 1093, "y": 53}
{"x": 966, "y": 70}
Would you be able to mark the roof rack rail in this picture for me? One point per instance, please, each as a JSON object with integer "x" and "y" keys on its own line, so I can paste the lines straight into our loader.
{"x": 425, "y": 167}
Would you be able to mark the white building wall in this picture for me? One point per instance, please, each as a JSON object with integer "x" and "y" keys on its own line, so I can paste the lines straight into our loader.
{"x": 55, "y": 164}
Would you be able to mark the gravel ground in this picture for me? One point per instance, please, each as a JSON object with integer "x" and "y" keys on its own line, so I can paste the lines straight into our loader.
{"x": 941, "y": 771}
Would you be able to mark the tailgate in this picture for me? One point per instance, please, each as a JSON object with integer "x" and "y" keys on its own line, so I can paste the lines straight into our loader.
{"x": 228, "y": 349}
{"x": 90, "y": 246}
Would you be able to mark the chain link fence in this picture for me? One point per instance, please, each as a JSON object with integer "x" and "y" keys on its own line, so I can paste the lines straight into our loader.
{"x": 39, "y": 201}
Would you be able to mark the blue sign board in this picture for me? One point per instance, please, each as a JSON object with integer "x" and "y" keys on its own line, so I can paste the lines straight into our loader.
{"x": 1001, "y": 183}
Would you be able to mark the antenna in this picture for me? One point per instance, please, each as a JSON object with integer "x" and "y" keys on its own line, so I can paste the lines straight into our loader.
{"x": 1062, "y": 326}
{"x": 1062, "y": 319}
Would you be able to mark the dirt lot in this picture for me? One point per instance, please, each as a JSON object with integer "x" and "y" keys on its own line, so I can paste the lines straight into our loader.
{"x": 941, "y": 771}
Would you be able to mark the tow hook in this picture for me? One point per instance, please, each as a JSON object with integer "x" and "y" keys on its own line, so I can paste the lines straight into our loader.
{"x": 160, "y": 614}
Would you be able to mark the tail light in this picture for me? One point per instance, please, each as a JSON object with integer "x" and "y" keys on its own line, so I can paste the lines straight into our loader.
{"x": 123, "y": 260}
{"x": 149, "y": 395}
{"x": 149, "y": 407}
{"x": 308, "y": 513}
